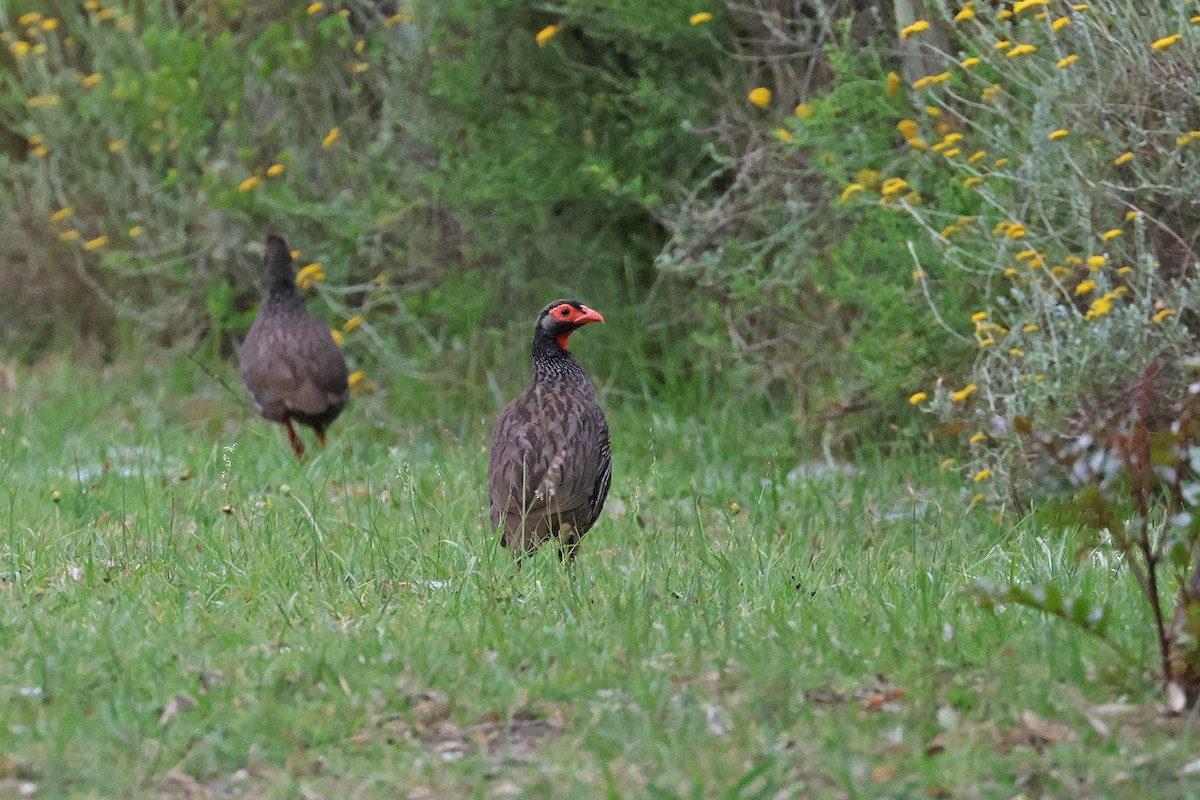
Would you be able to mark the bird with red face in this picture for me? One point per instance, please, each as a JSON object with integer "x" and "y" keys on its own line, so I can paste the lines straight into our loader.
{"x": 551, "y": 460}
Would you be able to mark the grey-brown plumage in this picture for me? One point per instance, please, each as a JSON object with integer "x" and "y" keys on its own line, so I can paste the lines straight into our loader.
{"x": 292, "y": 368}
{"x": 551, "y": 463}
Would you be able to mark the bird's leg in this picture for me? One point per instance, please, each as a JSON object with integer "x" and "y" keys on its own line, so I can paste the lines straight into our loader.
{"x": 293, "y": 439}
{"x": 321, "y": 436}
{"x": 568, "y": 543}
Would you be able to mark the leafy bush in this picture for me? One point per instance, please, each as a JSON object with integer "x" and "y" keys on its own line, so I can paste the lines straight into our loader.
{"x": 814, "y": 294}
{"x": 1074, "y": 130}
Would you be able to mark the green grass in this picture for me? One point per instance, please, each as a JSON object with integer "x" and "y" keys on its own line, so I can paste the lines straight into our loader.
{"x": 351, "y": 629}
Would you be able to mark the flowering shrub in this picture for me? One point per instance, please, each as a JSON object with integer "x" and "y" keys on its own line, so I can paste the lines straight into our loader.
{"x": 1075, "y": 127}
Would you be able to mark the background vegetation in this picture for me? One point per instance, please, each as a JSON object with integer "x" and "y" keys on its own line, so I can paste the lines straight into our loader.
{"x": 960, "y": 230}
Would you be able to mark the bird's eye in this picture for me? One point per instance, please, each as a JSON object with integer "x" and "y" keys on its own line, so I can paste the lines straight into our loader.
{"x": 564, "y": 312}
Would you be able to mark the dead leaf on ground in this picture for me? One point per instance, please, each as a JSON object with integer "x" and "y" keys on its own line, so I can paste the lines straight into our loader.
{"x": 1043, "y": 731}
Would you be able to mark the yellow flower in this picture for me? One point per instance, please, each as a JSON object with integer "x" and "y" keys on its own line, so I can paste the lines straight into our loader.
{"x": 1194, "y": 20}
{"x": 1124, "y": 271}
{"x": 1096, "y": 262}
{"x": 784, "y": 135}
{"x": 988, "y": 342}
{"x": 1060, "y": 23}
{"x": 1016, "y": 231}
{"x": 915, "y": 28}
{"x": 1021, "y": 50}
{"x": 91, "y": 80}
{"x": 804, "y": 111}
{"x": 982, "y": 475}
{"x": 893, "y": 84}
{"x": 1124, "y": 158}
{"x": 61, "y": 214}
{"x": 355, "y": 377}
{"x": 1085, "y": 286}
{"x": 893, "y": 186}
{"x": 1114, "y": 233}
{"x": 337, "y": 337}
{"x": 989, "y": 93}
{"x": 1021, "y": 5}
{"x": 1000, "y": 162}
{"x": 41, "y": 151}
{"x": 917, "y": 144}
{"x": 977, "y": 438}
{"x": 396, "y": 19}
{"x": 315, "y": 8}
{"x": 976, "y": 156}
{"x": 1166, "y": 41}
{"x": 312, "y": 273}
{"x": 964, "y": 393}
{"x": 1100, "y": 306}
{"x": 1030, "y": 328}
{"x": 1132, "y": 215}
{"x": 275, "y": 170}
{"x": 1016, "y": 351}
{"x": 967, "y": 13}
{"x": 1081, "y": 6}
{"x": 1063, "y": 63}
{"x": 43, "y": 101}
{"x": 116, "y": 146}
{"x": 921, "y": 83}
{"x": 918, "y": 274}
{"x": 760, "y": 96}
{"x": 1004, "y": 14}
{"x": 946, "y": 464}
{"x": 951, "y": 138}
{"x": 919, "y": 397}
{"x": 700, "y": 18}
{"x": 1076, "y": 261}
{"x": 971, "y": 182}
{"x": 1181, "y": 141}
{"x": 135, "y": 231}
{"x": 546, "y": 34}
{"x": 68, "y": 236}
{"x": 331, "y": 137}
{"x": 98, "y": 242}
{"x": 1059, "y": 134}
{"x": 850, "y": 191}
{"x": 249, "y": 183}
{"x": 1024, "y": 254}
{"x": 32, "y": 18}
{"x": 352, "y": 323}
{"x": 907, "y": 128}
{"x": 979, "y": 316}
{"x": 20, "y": 49}
{"x": 967, "y": 63}
{"x": 1160, "y": 316}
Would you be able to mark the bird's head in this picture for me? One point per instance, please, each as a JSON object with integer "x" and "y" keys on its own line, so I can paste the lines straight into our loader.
{"x": 561, "y": 318}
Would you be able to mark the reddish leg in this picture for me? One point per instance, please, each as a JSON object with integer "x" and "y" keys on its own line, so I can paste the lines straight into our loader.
{"x": 293, "y": 439}
{"x": 321, "y": 436}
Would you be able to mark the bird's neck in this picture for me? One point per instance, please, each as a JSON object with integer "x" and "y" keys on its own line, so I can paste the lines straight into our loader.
{"x": 279, "y": 286}
{"x": 552, "y": 361}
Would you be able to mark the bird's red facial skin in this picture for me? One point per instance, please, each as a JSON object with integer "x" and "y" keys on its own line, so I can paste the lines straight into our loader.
{"x": 569, "y": 313}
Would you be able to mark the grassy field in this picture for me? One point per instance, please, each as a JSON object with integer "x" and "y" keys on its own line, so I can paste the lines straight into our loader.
{"x": 187, "y": 612}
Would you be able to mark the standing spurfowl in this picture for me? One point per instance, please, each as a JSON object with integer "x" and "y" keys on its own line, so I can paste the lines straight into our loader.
{"x": 551, "y": 462}
{"x": 292, "y": 368}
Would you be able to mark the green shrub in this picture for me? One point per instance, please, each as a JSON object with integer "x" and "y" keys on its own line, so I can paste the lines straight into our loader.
{"x": 1075, "y": 130}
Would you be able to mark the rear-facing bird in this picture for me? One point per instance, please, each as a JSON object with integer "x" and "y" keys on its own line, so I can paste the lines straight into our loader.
{"x": 293, "y": 370}
{"x": 551, "y": 462}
